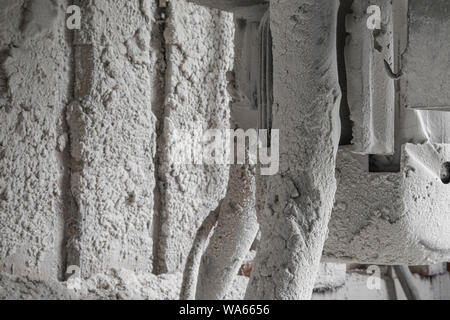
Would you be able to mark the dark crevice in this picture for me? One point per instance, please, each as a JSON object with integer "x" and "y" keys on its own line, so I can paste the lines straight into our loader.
{"x": 445, "y": 173}
{"x": 3, "y": 78}
{"x": 346, "y": 124}
{"x": 26, "y": 15}
{"x": 158, "y": 109}
{"x": 69, "y": 255}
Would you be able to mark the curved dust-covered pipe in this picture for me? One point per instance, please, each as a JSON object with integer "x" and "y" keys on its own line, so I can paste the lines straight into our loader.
{"x": 235, "y": 232}
{"x": 209, "y": 273}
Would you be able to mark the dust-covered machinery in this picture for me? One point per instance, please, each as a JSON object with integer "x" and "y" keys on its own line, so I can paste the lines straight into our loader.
{"x": 392, "y": 205}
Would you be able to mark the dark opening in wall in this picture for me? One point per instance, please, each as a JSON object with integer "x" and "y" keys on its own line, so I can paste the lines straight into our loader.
{"x": 445, "y": 173}
{"x": 346, "y": 123}
{"x": 379, "y": 163}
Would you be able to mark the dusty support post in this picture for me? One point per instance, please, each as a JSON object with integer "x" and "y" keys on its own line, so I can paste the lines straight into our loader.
{"x": 300, "y": 197}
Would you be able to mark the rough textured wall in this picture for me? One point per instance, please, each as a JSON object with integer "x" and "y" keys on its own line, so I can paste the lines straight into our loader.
{"x": 398, "y": 214}
{"x": 391, "y": 218}
{"x": 353, "y": 216}
{"x": 113, "y": 131}
{"x": 34, "y": 91}
{"x": 83, "y": 116}
{"x": 78, "y": 136}
{"x": 425, "y": 60}
{"x": 199, "y": 54}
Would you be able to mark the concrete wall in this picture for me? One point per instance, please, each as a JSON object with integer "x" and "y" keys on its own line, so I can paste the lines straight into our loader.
{"x": 87, "y": 123}
{"x": 113, "y": 132}
{"x": 34, "y": 92}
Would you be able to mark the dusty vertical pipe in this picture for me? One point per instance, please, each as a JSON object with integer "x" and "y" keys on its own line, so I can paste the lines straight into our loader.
{"x": 190, "y": 273}
{"x": 208, "y": 274}
{"x": 300, "y": 197}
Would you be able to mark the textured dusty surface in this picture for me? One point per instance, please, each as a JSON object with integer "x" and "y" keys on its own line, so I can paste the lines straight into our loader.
{"x": 89, "y": 120}
{"x": 421, "y": 59}
{"x": 234, "y": 234}
{"x": 113, "y": 131}
{"x": 370, "y": 89}
{"x": 114, "y": 284}
{"x": 391, "y": 218}
{"x": 121, "y": 284}
{"x": 34, "y": 89}
{"x": 24, "y": 288}
{"x": 125, "y": 285}
{"x": 425, "y": 60}
{"x": 398, "y": 214}
{"x": 199, "y": 52}
{"x": 78, "y": 167}
{"x": 299, "y": 199}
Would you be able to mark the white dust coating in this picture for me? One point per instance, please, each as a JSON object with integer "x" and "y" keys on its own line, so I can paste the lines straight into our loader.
{"x": 370, "y": 87}
{"x": 25, "y": 288}
{"x": 425, "y": 59}
{"x": 300, "y": 198}
{"x": 43, "y": 14}
{"x": 113, "y": 132}
{"x": 34, "y": 89}
{"x": 191, "y": 268}
{"x": 199, "y": 44}
{"x": 122, "y": 284}
{"x": 412, "y": 43}
{"x": 330, "y": 276}
{"x": 235, "y": 232}
{"x": 237, "y": 224}
{"x": 423, "y": 63}
{"x": 114, "y": 284}
{"x": 391, "y": 218}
